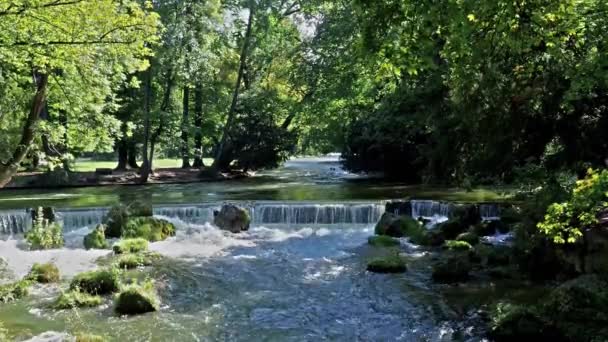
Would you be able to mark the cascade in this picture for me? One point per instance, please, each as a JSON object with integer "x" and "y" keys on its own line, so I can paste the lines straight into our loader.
{"x": 14, "y": 221}
{"x": 308, "y": 213}
{"x": 429, "y": 209}
{"x": 489, "y": 212}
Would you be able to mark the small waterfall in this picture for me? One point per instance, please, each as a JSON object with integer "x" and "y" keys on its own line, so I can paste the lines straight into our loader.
{"x": 489, "y": 212}
{"x": 190, "y": 214}
{"x": 78, "y": 218}
{"x": 429, "y": 209}
{"x": 356, "y": 213}
{"x": 15, "y": 221}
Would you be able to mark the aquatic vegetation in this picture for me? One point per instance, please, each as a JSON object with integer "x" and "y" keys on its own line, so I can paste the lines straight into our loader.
{"x": 96, "y": 239}
{"x": 44, "y": 234}
{"x": 97, "y": 282}
{"x": 149, "y": 228}
{"x": 44, "y": 273}
{"x": 130, "y": 246}
{"x": 383, "y": 241}
{"x": 89, "y": 338}
{"x": 455, "y": 245}
{"x": 137, "y": 299}
{"x": 387, "y": 264}
{"x": 130, "y": 261}
{"x": 76, "y": 299}
{"x": 14, "y": 291}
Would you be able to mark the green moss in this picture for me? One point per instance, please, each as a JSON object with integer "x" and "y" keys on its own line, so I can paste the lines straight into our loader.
{"x": 137, "y": 299}
{"x": 76, "y": 299}
{"x": 469, "y": 237}
{"x": 96, "y": 239}
{"x": 454, "y": 268}
{"x": 454, "y": 245}
{"x": 388, "y": 264}
{"x": 130, "y": 246}
{"x": 89, "y": 338}
{"x": 115, "y": 221}
{"x": 401, "y": 226}
{"x": 149, "y": 228}
{"x": 96, "y": 282}
{"x": 130, "y": 261}
{"x": 511, "y": 323}
{"x": 44, "y": 273}
{"x": 383, "y": 241}
{"x": 14, "y": 291}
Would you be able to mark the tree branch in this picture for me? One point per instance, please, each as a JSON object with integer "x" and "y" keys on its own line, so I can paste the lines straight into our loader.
{"x": 22, "y": 9}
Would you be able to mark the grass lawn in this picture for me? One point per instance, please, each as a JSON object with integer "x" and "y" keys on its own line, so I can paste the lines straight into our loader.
{"x": 86, "y": 165}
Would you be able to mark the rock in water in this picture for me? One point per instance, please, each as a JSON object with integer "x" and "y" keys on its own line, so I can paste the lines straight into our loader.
{"x": 232, "y": 218}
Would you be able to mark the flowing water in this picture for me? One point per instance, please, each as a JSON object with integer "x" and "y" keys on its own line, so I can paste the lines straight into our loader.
{"x": 297, "y": 275}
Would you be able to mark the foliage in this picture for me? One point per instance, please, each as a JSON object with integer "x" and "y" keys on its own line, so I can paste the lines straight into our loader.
{"x": 455, "y": 245}
{"x": 137, "y": 299}
{"x": 44, "y": 273}
{"x": 97, "y": 282}
{"x": 14, "y": 291}
{"x": 89, "y": 338}
{"x": 44, "y": 234}
{"x": 115, "y": 221}
{"x": 135, "y": 245}
{"x": 96, "y": 239}
{"x": 148, "y": 228}
{"x": 76, "y": 299}
{"x": 566, "y": 221}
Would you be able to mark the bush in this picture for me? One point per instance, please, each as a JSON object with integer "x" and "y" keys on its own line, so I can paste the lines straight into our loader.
{"x": 389, "y": 264}
{"x": 44, "y": 273}
{"x": 137, "y": 299}
{"x": 383, "y": 241}
{"x": 76, "y": 299}
{"x": 454, "y": 245}
{"x": 130, "y": 246}
{"x": 14, "y": 291}
{"x": 44, "y": 234}
{"x": 565, "y": 222}
{"x": 96, "y": 239}
{"x": 96, "y": 282}
{"x": 149, "y": 228}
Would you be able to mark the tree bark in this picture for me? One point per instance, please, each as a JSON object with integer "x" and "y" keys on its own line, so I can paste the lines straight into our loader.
{"x": 219, "y": 163}
{"x": 123, "y": 154}
{"x": 132, "y": 154}
{"x": 146, "y": 167}
{"x": 185, "y": 126}
{"x": 198, "y": 123}
{"x": 10, "y": 168}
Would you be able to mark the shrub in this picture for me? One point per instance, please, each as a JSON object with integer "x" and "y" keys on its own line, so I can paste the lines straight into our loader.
{"x": 14, "y": 291}
{"x": 137, "y": 299}
{"x": 383, "y": 241}
{"x": 149, "y": 228}
{"x": 130, "y": 246}
{"x": 96, "y": 282}
{"x": 96, "y": 239}
{"x": 564, "y": 222}
{"x": 44, "y": 234}
{"x": 76, "y": 299}
{"x": 44, "y": 273}
{"x": 388, "y": 264}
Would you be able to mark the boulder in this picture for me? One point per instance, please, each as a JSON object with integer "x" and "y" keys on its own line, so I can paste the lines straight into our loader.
{"x": 44, "y": 273}
{"x": 96, "y": 282}
{"x": 388, "y": 264}
{"x": 137, "y": 299}
{"x": 232, "y": 218}
{"x": 115, "y": 221}
{"x": 401, "y": 226}
{"x": 148, "y": 228}
{"x": 452, "y": 228}
{"x": 96, "y": 239}
{"x": 468, "y": 237}
{"x": 383, "y": 241}
{"x": 518, "y": 323}
{"x": 454, "y": 268}
{"x": 466, "y": 214}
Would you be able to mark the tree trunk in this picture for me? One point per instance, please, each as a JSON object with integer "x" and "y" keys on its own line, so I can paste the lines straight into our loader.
{"x": 10, "y": 168}
{"x": 146, "y": 167}
{"x": 185, "y": 127}
{"x": 132, "y": 154}
{"x": 198, "y": 123}
{"x": 123, "y": 155}
{"x": 243, "y": 60}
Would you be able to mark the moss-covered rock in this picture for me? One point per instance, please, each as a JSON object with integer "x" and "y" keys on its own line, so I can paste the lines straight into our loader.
{"x": 115, "y": 221}
{"x": 383, "y": 241}
{"x": 140, "y": 209}
{"x": 468, "y": 237}
{"x": 452, "y": 228}
{"x": 137, "y": 299}
{"x": 452, "y": 269}
{"x": 491, "y": 255}
{"x": 484, "y": 229}
{"x": 149, "y": 228}
{"x": 14, "y": 291}
{"x": 96, "y": 282}
{"x": 44, "y": 273}
{"x": 433, "y": 237}
{"x": 232, "y": 218}
{"x": 89, "y": 338}
{"x": 96, "y": 239}
{"x": 401, "y": 226}
{"x": 517, "y": 323}
{"x": 388, "y": 264}
{"x": 131, "y": 261}
{"x": 130, "y": 246}
{"x": 454, "y": 245}
{"x": 466, "y": 214}
{"x": 76, "y": 299}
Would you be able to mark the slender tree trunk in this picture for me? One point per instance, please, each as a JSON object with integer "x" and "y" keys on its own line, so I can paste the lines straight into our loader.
{"x": 185, "y": 126}
{"x": 198, "y": 123}
{"x": 146, "y": 167}
{"x": 122, "y": 149}
{"x": 218, "y": 163}
{"x": 10, "y": 168}
{"x": 132, "y": 154}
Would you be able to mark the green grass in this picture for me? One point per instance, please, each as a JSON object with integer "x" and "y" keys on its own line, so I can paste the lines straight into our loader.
{"x": 87, "y": 165}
